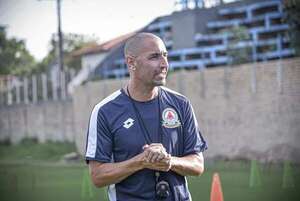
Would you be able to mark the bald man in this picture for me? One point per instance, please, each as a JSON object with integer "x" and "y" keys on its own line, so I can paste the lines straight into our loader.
{"x": 144, "y": 138}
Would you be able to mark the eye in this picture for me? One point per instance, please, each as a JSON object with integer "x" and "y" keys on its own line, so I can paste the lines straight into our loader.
{"x": 154, "y": 56}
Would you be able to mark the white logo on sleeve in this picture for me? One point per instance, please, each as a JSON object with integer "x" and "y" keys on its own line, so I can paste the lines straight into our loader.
{"x": 128, "y": 123}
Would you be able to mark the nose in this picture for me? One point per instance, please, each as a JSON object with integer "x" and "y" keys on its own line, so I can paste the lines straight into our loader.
{"x": 164, "y": 62}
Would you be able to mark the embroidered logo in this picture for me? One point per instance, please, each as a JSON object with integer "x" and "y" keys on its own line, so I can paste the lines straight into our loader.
{"x": 170, "y": 118}
{"x": 128, "y": 123}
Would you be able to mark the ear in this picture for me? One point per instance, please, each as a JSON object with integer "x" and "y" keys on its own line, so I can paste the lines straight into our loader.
{"x": 130, "y": 61}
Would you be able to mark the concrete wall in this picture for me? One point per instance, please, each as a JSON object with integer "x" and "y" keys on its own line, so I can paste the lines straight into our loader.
{"x": 183, "y": 21}
{"x": 45, "y": 121}
{"x": 248, "y": 111}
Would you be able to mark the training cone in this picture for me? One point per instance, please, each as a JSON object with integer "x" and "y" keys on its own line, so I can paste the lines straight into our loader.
{"x": 216, "y": 193}
{"x": 255, "y": 178}
{"x": 86, "y": 186}
{"x": 287, "y": 179}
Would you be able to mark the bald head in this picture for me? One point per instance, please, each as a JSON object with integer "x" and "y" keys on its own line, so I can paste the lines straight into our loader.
{"x": 136, "y": 42}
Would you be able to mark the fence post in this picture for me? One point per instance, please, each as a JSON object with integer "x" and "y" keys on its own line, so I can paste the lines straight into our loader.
{"x": 63, "y": 85}
{"x": 2, "y": 101}
{"x": 9, "y": 92}
{"x": 25, "y": 84}
{"x": 34, "y": 88}
{"x": 18, "y": 93}
{"x": 44, "y": 87}
{"x": 54, "y": 89}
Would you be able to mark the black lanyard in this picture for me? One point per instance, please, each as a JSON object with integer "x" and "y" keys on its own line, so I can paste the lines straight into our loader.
{"x": 146, "y": 134}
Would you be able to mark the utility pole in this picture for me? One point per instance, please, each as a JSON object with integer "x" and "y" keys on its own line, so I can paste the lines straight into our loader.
{"x": 60, "y": 39}
{"x": 58, "y": 84}
{"x": 60, "y": 56}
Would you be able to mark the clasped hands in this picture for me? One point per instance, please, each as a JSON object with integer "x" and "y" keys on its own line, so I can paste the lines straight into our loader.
{"x": 155, "y": 157}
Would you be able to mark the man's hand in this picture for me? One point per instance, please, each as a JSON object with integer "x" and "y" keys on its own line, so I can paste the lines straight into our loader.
{"x": 156, "y": 157}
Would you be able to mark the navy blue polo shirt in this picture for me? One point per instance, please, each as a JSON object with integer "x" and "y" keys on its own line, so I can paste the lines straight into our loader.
{"x": 115, "y": 134}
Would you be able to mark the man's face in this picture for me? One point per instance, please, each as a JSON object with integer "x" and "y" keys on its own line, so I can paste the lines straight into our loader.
{"x": 151, "y": 63}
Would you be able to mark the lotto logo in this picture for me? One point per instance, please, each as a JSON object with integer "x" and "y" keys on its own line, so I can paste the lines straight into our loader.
{"x": 128, "y": 123}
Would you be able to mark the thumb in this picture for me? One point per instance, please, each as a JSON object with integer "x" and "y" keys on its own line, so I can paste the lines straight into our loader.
{"x": 145, "y": 146}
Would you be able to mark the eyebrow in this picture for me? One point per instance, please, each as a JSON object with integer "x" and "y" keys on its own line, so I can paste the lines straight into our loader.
{"x": 159, "y": 53}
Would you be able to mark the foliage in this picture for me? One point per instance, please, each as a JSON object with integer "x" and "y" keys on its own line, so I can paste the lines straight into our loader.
{"x": 71, "y": 43}
{"x": 14, "y": 57}
{"x": 237, "y": 55}
{"x": 292, "y": 17}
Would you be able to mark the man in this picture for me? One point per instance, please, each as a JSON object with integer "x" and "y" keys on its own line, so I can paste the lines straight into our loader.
{"x": 144, "y": 139}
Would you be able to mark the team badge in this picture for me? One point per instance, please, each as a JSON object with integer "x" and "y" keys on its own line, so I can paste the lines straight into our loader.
{"x": 170, "y": 118}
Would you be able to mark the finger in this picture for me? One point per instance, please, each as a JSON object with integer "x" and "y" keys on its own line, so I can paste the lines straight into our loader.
{"x": 167, "y": 157}
{"x": 156, "y": 145}
{"x": 147, "y": 154}
{"x": 145, "y": 146}
{"x": 150, "y": 156}
{"x": 160, "y": 158}
{"x": 153, "y": 157}
{"x": 155, "y": 153}
{"x": 162, "y": 155}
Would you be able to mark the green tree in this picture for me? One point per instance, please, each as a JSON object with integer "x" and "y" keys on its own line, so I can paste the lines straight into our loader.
{"x": 292, "y": 17}
{"x": 71, "y": 42}
{"x": 235, "y": 35}
{"x": 14, "y": 57}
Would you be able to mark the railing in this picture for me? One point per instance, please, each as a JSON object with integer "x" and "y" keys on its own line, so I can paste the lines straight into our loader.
{"x": 35, "y": 88}
{"x": 267, "y": 39}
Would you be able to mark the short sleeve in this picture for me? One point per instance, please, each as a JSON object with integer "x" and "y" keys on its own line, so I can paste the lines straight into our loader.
{"x": 99, "y": 139}
{"x": 193, "y": 139}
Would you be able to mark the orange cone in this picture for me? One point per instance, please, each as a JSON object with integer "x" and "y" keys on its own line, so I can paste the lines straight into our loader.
{"x": 216, "y": 193}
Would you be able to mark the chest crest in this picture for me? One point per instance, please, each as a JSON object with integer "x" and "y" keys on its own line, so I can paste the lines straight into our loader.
{"x": 170, "y": 118}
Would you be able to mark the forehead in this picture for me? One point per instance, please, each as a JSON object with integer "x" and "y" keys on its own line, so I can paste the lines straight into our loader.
{"x": 152, "y": 45}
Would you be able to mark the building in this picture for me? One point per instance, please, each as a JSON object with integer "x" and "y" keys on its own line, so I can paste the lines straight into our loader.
{"x": 195, "y": 37}
{"x": 91, "y": 55}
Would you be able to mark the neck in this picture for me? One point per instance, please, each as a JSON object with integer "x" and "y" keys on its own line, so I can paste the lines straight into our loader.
{"x": 140, "y": 92}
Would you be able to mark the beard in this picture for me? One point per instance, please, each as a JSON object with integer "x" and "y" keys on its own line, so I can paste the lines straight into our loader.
{"x": 161, "y": 82}
{"x": 159, "y": 79}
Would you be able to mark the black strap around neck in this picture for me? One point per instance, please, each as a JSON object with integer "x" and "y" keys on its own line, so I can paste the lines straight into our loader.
{"x": 145, "y": 132}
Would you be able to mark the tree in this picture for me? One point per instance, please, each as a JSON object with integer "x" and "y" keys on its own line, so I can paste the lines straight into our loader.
{"x": 237, "y": 55}
{"x": 71, "y": 42}
{"x": 292, "y": 10}
{"x": 14, "y": 57}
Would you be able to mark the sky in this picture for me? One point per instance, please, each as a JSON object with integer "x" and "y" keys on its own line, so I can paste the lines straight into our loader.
{"x": 35, "y": 21}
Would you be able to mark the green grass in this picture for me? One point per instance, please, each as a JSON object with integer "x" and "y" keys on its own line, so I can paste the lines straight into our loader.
{"x": 235, "y": 183}
{"x": 69, "y": 182}
{"x": 31, "y": 171}
{"x": 30, "y": 150}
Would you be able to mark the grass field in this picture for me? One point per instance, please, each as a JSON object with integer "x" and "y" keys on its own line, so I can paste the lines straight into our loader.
{"x": 48, "y": 182}
{"x": 31, "y": 172}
